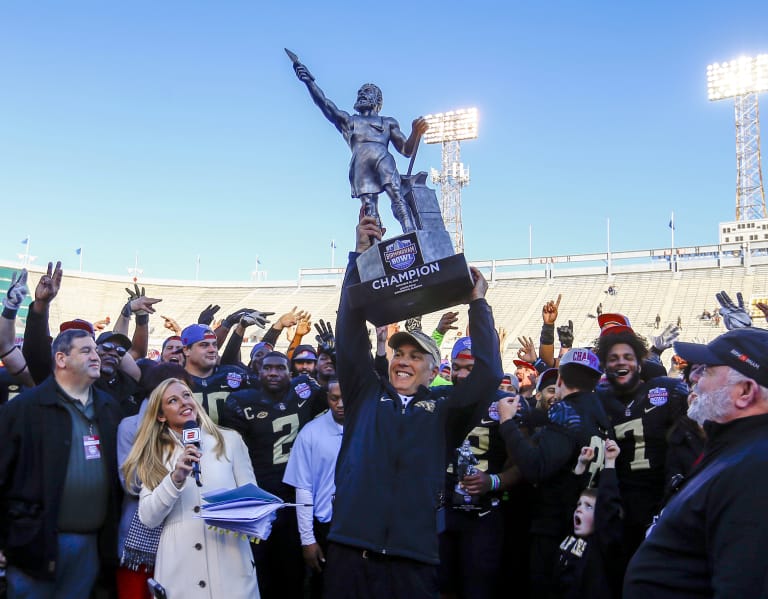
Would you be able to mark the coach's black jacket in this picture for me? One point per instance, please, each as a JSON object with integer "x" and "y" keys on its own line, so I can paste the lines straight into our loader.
{"x": 35, "y": 437}
{"x": 391, "y": 467}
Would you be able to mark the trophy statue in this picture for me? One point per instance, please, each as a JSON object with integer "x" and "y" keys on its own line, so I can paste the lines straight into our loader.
{"x": 465, "y": 466}
{"x": 419, "y": 269}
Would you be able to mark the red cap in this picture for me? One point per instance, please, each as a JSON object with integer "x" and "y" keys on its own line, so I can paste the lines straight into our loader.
{"x": 523, "y": 364}
{"x": 77, "y": 324}
{"x": 611, "y": 324}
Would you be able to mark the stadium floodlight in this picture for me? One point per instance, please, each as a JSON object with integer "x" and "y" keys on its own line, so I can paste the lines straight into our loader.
{"x": 449, "y": 128}
{"x": 455, "y": 125}
{"x": 738, "y": 77}
{"x": 743, "y": 79}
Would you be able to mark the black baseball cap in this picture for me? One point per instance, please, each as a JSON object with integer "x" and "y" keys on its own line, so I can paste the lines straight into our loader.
{"x": 118, "y": 338}
{"x": 745, "y": 350}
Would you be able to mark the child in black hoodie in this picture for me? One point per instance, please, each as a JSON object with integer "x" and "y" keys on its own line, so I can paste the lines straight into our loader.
{"x": 590, "y": 563}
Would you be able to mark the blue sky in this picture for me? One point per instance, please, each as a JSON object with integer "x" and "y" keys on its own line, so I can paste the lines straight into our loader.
{"x": 177, "y": 129}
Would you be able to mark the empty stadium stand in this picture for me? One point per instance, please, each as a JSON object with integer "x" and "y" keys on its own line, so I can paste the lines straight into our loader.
{"x": 647, "y": 283}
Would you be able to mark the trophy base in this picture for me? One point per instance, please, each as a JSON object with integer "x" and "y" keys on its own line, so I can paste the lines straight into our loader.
{"x": 410, "y": 275}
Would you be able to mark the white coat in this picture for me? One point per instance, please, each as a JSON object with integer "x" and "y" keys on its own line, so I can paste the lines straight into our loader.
{"x": 193, "y": 561}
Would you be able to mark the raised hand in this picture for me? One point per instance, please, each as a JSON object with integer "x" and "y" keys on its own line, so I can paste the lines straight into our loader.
{"x": 446, "y": 322}
{"x": 304, "y": 325}
{"x": 17, "y": 291}
{"x": 135, "y": 293}
{"x": 503, "y": 334}
{"x": 763, "y": 308}
{"x": 326, "y": 340}
{"x": 508, "y": 407}
{"x": 528, "y": 351}
{"x": 288, "y": 319}
{"x": 549, "y": 311}
{"x": 100, "y": 325}
{"x": 144, "y": 305}
{"x": 586, "y": 456}
{"x": 49, "y": 284}
{"x": 734, "y": 316}
{"x": 565, "y": 334}
{"x": 367, "y": 232}
{"x": 413, "y": 324}
{"x": 171, "y": 324}
{"x": 206, "y": 316}
{"x": 254, "y": 317}
{"x": 480, "y": 287}
{"x": 667, "y": 337}
{"x": 235, "y": 317}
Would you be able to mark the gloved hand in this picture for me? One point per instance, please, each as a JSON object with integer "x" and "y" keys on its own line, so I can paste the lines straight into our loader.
{"x": 235, "y": 317}
{"x": 138, "y": 302}
{"x": 206, "y": 316}
{"x": 325, "y": 339}
{"x": 664, "y": 341}
{"x": 734, "y": 317}
{"x": 565, "y": 334}
{"x": 255, "y": 317}
{"x": 17, "y": 291}
{"x": 413, "y": 324}
{"x": 136, "y": 293}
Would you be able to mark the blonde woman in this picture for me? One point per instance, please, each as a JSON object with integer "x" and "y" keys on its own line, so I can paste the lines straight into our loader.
{"x": 192, "y": 561}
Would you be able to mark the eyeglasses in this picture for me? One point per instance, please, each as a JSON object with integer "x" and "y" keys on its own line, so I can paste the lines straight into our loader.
{"x": 697, "y": 371}
{"x": 121, "y": 351}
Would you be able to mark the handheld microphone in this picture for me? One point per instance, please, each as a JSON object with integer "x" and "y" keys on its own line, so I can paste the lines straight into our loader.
{"x": 191, "y": 434}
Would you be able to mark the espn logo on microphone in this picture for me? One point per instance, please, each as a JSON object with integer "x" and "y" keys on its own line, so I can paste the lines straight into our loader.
{"x": 190, "y": 435}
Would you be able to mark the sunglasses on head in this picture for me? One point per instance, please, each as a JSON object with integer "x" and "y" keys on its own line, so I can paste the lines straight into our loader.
{"x": 121, "y": 351}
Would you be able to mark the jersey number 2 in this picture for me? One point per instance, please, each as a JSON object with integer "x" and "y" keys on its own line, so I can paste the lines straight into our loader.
{"x": 289, "y": 426}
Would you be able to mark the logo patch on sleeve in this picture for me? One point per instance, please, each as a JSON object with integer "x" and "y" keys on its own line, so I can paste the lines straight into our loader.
{"x": 234, "y": 380}
{"x": 658, "y": 396}
{"x": 303, "y": 390}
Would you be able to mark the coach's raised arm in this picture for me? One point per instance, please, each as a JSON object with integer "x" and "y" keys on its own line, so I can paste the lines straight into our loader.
{"x": 390, "y": 472}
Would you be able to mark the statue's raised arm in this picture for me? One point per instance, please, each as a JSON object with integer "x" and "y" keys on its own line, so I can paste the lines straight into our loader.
{"x": 368, "y": 134}
{"x": 339, "y": 118}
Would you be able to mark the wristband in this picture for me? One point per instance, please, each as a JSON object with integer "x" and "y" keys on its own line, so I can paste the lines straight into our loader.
{"x": 8, "y": 352}
{"x": 142, "y": 319}
{"x": 10, "y": 313}
{"x": 19, "y": 371}
{"x": 126, "y": 311}
{"x": 540, "y": 365}
{"x": 547, "y": 336}
{"x": 495, "y": 482}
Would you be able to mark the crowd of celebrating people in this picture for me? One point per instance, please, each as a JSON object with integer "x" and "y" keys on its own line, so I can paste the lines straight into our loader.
{"x": 586, "y": 472}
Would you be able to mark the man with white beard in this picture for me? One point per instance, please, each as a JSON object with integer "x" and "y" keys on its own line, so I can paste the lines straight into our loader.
{"x": 708, "y": 541}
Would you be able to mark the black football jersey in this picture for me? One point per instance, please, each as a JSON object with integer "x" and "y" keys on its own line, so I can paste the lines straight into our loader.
{"x": 211, "y": 391}
{"x": 641, "y": 422}
{"x": 269, "y": 428}
{"x": 486, "y": 443}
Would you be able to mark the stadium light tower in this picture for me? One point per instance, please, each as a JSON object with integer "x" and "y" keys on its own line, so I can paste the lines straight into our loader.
{"x": 743, "y": 79}
{"x": 450, "y": 128}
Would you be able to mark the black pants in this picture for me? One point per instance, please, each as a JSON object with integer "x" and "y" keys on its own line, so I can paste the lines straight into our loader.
{"x": 471, "y": 553}
{"x": 354, "y": 573}
{"x": 316, "y": 578}
{"x": 279, "y": 563}
{"x": 544, "y": 553}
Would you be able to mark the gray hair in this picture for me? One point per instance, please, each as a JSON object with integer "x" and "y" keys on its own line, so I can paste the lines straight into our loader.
{"x": 64, "y": 341}
{"x": 734, "y": 377}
